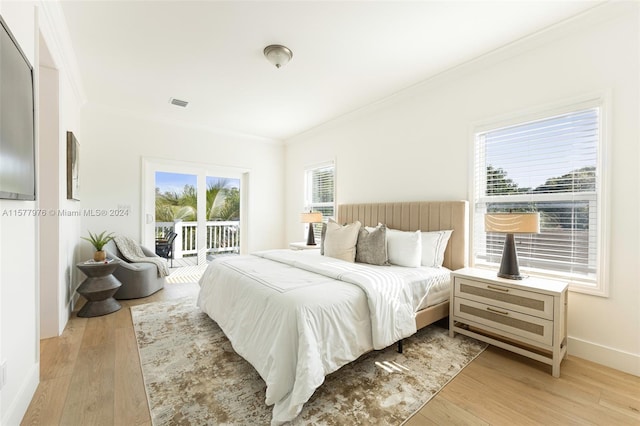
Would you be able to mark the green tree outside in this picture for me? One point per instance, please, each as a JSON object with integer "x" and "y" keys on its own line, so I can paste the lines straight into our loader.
{"x": 552, "y": 215}
{"x": 223, "y": 204}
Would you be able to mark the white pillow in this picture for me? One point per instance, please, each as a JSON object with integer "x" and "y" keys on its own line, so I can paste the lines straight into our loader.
{"x": 434, "y": 245}
{"x": 404, "y": 248}
{"x": 340, "y": 241}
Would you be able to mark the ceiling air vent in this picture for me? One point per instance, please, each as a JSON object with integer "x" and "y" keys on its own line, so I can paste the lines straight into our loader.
{"x": 178, "y": 102}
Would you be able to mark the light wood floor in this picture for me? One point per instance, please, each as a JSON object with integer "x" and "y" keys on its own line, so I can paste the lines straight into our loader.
{"x": 91, "y": 376}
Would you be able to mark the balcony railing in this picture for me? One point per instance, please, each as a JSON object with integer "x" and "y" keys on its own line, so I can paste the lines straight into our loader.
{"x": 222, "y": 237}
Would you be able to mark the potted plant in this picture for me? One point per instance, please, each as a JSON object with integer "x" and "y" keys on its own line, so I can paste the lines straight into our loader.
{"x": 98, "y": 241}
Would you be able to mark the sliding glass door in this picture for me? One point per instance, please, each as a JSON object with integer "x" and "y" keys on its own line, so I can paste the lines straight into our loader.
{"x": 176, "y": 211}
{"x": 223, "y": 216}
{"x": 202, "y": 205}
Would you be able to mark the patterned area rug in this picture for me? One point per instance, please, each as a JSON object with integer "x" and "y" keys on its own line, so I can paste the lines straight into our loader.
{"x": 193, "y": 377}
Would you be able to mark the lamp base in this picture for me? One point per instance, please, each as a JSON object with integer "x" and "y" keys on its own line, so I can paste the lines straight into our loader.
{"x": 509, "y": 268}
{"x": 512, "y": 277}
{"x": 311, "y": 238}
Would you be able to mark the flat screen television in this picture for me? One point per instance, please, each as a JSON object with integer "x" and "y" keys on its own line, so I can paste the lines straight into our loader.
{"x": 17, "y": 121}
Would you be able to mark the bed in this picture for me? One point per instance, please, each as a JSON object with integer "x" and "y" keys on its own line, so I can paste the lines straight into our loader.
{"x": 297, "y": 316}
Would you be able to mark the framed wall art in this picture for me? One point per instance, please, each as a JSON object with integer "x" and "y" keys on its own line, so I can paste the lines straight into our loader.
{"x": 73, "y": 167}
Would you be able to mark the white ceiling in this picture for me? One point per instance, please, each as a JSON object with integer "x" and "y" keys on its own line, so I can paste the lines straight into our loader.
{"x": 136, "y": 55}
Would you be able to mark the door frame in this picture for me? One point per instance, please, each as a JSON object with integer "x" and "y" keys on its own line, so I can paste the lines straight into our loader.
{"x": 151, "y": 165}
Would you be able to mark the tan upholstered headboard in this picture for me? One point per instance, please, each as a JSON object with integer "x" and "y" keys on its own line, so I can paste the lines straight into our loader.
{"x": 423, "y": 216}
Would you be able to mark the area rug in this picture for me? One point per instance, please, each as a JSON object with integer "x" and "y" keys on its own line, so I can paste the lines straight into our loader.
{"x": 192, "y": 375}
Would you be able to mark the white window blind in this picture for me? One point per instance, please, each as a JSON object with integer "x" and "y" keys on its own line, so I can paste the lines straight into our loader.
{"x": 319, "y": 192}
{"x": 550, "y": 166}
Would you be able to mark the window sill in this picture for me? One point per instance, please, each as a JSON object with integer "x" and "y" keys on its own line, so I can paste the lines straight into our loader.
{"x": 576, "y": 284}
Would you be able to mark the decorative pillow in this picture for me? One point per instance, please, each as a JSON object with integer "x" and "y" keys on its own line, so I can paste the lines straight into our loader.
{"x": 433, "y": 246}
{"x": 340, "y": 241}
{"x": 404, "y": 248}
{"x": 372, "y": 245}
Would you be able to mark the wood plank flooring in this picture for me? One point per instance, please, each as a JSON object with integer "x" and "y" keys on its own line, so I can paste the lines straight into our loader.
{"x": 90, "y": 375}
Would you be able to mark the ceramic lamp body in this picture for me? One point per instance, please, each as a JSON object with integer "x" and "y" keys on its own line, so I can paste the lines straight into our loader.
{"x": 509, "y": 267}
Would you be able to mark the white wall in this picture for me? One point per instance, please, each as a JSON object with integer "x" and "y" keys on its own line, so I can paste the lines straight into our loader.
{"x": 416, "y": 145}
{"x": 18, "y": 266}
{"x": 21, "y": 263}
{"x": 113, "y": 146}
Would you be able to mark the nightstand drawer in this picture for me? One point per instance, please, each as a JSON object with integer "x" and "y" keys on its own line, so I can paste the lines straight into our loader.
{"x": 503, "y": 320}
{"x": 526, "y": 302}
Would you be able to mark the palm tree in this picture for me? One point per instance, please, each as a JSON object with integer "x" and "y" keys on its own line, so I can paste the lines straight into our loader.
{"x": 171, "y": 206}
{"x": 189, "y": 197}
{"x": 222, "y": 203}
{"x": 230, "y": 210}
{"x": 216, "y": 196}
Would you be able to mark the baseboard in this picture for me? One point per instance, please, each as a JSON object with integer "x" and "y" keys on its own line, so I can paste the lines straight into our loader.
{"x": 66, "y": 314}
{"x": 610, "y": 357}
{"x": 74, "y": 302}
{"x": 19, "y": 405}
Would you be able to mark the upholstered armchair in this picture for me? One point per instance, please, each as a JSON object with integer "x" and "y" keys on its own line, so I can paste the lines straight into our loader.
{"x": 139, "y": 279}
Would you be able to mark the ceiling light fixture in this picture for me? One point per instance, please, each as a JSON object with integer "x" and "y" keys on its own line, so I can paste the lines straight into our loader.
{"x": 278, "y": 55}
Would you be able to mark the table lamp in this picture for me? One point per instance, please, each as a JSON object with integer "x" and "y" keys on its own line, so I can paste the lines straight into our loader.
{"x": 311, "y": 218}
{"x": 511, "y": 223}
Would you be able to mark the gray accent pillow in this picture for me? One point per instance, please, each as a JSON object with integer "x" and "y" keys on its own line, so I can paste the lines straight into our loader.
{"x": 372, "y": 246}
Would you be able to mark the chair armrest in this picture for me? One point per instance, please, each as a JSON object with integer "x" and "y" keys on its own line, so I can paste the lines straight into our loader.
{"x": 148, "y": 253}
{"x": 137, "y": 266}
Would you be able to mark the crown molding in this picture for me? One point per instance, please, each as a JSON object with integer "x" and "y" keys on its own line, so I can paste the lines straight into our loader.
{"x": 53, "y": 27}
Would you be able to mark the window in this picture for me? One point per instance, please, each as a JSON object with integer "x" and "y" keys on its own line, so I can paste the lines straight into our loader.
{"x": 319, "y": 192}
{"x": 551, "y": 165}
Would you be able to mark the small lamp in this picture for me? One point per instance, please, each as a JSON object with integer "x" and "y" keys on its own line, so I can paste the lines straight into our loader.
{"x": 511, "y": 223}
{"x": 311, "y": 218}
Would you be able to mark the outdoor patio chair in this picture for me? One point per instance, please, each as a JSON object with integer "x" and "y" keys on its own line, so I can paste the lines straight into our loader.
{"x": 164, "y": 247}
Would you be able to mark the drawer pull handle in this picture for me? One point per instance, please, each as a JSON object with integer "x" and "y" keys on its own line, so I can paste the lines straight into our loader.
{"x": 506, "y": 290}
{"x": 497, "y": 311}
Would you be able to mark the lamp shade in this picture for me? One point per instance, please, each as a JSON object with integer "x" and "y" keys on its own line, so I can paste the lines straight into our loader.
{"x": 311, "y": 217}
{"x": 512, "y": 223}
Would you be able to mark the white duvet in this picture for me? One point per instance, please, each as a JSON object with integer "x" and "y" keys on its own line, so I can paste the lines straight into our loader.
{"x": 297, "y": 317}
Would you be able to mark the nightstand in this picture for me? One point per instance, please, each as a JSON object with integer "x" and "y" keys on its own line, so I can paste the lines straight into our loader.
{"x": 528, "y": 317}
{"x": 303, "y": 246}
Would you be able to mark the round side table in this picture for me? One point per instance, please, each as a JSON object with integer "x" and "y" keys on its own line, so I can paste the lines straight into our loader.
{"x": 99, "y": 288}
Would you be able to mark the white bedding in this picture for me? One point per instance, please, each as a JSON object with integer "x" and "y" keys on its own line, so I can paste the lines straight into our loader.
{"x": 297, "y": 316}
{"x": 428, "y": 286}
